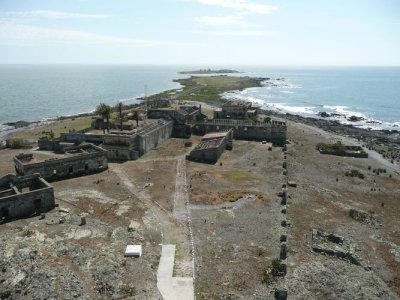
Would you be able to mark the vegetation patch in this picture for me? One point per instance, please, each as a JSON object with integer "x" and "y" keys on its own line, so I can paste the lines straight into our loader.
{"x": 355, "y": 173}
{"x": 209, "y": 89}
{"x": 239, "y": 177}
{"x": 341, "y": 150}
{"x": 127, "y": 290}
{"x": 18, "y": 143}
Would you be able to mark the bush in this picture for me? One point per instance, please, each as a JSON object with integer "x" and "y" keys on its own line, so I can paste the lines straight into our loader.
{"x": 355, "y": 173}
{"x": 17, "y": 143}
{"x": 357, "y": 215}
{"x": 128, "y": 290}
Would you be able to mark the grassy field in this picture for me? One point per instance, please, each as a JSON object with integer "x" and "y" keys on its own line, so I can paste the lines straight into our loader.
{"x": 209, "y": 89}
{"x": 33, "y": 133}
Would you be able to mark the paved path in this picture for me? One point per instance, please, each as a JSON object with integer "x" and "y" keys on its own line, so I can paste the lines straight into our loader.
{"x": 172, "y": 288}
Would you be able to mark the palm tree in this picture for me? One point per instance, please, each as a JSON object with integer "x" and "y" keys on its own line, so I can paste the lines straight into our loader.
{"x": 105, "y": 111}
{"x": 136, "y": 117}
{"x": 119, "y": 107}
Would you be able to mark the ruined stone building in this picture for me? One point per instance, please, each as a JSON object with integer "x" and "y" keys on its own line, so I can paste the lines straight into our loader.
{"x": 78, "y": 138}
{"x": 237, "y": 110}
{"x": 24, "y": 196}
{"x": 179, "y": 114}
{"x": 271, "y": 131}
{"x": 211, "y": 147}
{"x": 131, "y": 145}
{"x": 75, "y": 161}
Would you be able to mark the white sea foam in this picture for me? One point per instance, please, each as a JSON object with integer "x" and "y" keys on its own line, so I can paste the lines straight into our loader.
{"x": 287, "y": 92}
{"x": 292, "y": 109}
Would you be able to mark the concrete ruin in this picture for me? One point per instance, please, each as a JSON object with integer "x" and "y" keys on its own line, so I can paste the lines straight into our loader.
{"x": 131, "y": 145}
{"x": 271, "y": 131}
{"x": 55, "y": 145}
{"x": 342, "y": 150}
{"x": 237, "y": 110}
{"x": 212, "y": 146}
{"x": 24, "y": 196}
{"x": 334, "y": 245}
{"x": 75, "y": 161}
{"x": 180, "y": 116}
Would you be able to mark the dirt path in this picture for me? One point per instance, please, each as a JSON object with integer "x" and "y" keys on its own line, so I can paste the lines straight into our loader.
{"x": 181, "y": 194}
{"x": 175, "y": 227}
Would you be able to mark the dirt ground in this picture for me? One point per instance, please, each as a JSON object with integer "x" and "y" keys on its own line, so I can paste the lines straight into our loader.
{"x": 226, "y": 217}
{"x": 237, "y": 236}
{"x": 323, "y": 199}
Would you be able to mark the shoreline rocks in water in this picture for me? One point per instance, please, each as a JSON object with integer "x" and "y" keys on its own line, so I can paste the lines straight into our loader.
{"x": 19, "y": 124}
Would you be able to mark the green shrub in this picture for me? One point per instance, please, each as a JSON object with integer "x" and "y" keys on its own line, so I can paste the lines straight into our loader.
{"x": 127, "y": 290}
{"x": 17, "y": 143}
{"x": 355, "y": 173}
{"x": 357, "y": 215}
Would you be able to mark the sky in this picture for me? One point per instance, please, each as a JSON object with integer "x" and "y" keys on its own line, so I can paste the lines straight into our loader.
{"x": 201, "y": 32}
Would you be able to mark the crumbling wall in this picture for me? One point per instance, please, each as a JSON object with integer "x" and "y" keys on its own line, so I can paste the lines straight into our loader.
{"x": 151, "y": 139}
{"x": 79, "y": 138}
{"x": 121, "y": 153}
{"x": 54, "y": 169}
{"x": 275, "y": 132}
{"x": 204, "y": 153}
{"x": 18, "y": 204}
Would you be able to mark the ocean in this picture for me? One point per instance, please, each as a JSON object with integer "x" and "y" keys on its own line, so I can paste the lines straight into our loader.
{"x": 41, "y": 92}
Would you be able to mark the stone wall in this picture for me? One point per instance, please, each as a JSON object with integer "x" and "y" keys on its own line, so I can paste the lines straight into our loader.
{"x": 24, "y": 196}
{"x": 53, "y": 145}
{"x": 150, "y": 138}
{"x": 91, "y": 160}
{"x": 273, "y": 131}
{"x": 79, "y": 138}
{"x": 210, "y": 150}
{"x": 121, "y": 147}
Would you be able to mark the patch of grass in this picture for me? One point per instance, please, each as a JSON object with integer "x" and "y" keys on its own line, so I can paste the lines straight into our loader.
{"x": 272, "y": 271}
{"x": 357, "y": 215}
{"x": 57, "y": 127}
{"x": 178, "y": 256}
{"x": 18, "y": 143}
{"x": 337, "y": 147}
{"x": 28, "y": 233}
{"x": 128, "y": 290}
{"x": 201, "y": 287}
{"x": 239, "y": 177}
{"x": 355, "y": 173}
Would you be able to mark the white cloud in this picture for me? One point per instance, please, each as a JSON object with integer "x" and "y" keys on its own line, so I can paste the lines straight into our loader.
{"x": 241, "y": 5}
{"x": 50, "y": 14}
{"x": 220, "y": 20}
{"x": 12, "y": 33}
{"x": 236, "y": 33}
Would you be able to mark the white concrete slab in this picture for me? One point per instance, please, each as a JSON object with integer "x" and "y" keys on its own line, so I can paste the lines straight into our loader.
{"x": 172, "y": 288}
{"x": 133, "y": 250}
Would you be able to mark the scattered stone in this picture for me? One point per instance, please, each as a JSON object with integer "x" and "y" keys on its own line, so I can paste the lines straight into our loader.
{"x": 280, "y": 294}
{"x": 63, "y": 210}
{"x": 83, "y": 221}
{"x": 292, "y": 183}
{"x": 283, "y": 251}
{"x": 133, "y": 226}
